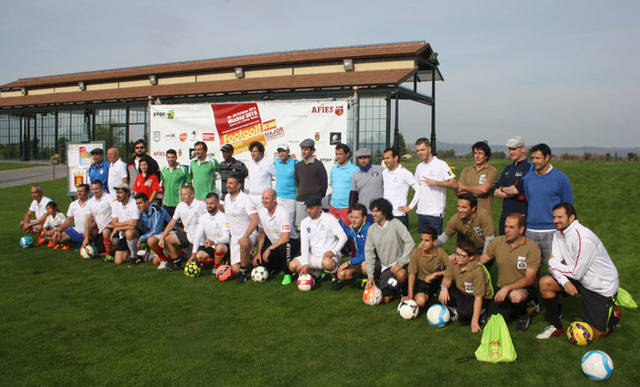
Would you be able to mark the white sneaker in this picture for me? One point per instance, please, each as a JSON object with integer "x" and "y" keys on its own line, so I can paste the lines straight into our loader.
{"x": 162, "y": 265}
{"x": 549, "y": 332}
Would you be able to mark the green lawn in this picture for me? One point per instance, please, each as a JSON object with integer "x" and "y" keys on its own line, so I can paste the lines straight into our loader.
{"x": 68, "y": 321}
{"x": 7, "y": 166}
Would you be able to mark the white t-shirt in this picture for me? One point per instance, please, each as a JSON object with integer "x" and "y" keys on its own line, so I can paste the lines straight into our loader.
{"x": 101, "y": 210}
{"x": 40, "y": 209}
{"x": 54, "y": 221}
{"x": 432, "y": 199}
{"x": 317, "y": 236}
{"x": 79, "y": 211}
{"x": 126, "y": 212}
{"x": 396, "y": 187}
{"x": 238, "y": 211}
{"x": 212, "y": 228}
{"x": 117, "y": 172}
{"x": 274, "y": 225}
{"x": 260, "y": 175}
{"x": 190, "y": 215}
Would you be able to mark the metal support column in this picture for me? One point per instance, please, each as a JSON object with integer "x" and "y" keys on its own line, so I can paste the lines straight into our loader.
{"x": 433, "y": 111}
{"x": 356, "y": 121}
{"x": 396, "y": 130}
{"x": 55, "y": 129}
{"x": 126, "y": 131}
{"x": 387, "y": 142}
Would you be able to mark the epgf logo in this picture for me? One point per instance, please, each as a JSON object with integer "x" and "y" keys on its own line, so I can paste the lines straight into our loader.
{"x": 326, "y": 109}
{"x": 169, "y": 115}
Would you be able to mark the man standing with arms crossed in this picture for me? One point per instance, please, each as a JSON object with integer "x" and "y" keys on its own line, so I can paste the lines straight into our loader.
{"x": 341, "y": 174}
{"x": 285, "y": 181}
{"x": 174, "y": 177}
{"x": 480, "y": 178}
{"x": 229, "y": 166}
{"x": 366, "y": 184}
{"x": 397, "y": 181}
{"x": 261, "y": 172}
{"x": 203, "y": 172}
{"x": 310, "y": 177}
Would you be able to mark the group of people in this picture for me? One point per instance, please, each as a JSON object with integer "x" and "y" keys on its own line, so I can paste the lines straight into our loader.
{"x": 135, "y": 212}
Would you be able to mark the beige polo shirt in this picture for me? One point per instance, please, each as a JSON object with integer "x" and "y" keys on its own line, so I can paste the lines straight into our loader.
{"x": 476, "y": 228}
{"x": 472, "y": 176}
{"x": 472, "y": 280}
{"x": 513, "y": 261}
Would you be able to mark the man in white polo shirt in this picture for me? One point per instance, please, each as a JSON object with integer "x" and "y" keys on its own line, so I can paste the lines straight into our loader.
{"x": 277, "y": 238}
{"x": 261, "y": 172}
{"x": 434, "y": 177}
{"x": 98, "y": 222}
{"x": 188, "y": 211}
{"x": 212, "y": 235}
{"x": 321, "y": 239}
{"x": 117, "y": 171}
{"x": 37, "y": 209}
{"x": 397, "y": 180}
{"x": 243, "y": 221}
{"x": 124, "y": 216}
{"x": 76, "y": 215}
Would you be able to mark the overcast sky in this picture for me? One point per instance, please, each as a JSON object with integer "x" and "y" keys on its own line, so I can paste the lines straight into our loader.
{"x": 563, "y": 72}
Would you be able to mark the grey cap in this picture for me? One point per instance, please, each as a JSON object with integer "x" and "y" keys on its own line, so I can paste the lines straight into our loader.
{"x": 515, "y": 142}
{"x": 363, "y": 152}
{"x": 284, "y": 146}
{"x": 313, "y": 202}
{"x": 123, "y": 186}
{"x": 97, "y": 151}
{"x": 227, "y": 148}
{"x": 307, "y": 143}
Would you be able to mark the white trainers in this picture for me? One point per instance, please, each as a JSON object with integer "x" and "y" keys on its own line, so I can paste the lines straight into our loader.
{"x": 549, "y": 332}
{"x": 162, "y": 265}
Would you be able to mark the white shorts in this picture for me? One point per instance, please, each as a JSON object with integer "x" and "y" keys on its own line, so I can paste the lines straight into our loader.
{"x": 315, "y": 261}
{"x": 290, "y": 205}
{"x": 234, "y": 247}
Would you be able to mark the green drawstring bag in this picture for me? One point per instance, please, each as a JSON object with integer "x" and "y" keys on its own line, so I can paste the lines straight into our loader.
{"x": 496, "y": 344}
{"x": 624, "y": 300}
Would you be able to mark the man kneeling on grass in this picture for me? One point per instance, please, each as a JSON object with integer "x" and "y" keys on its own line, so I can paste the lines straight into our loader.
{"x": 387, "y": 249}
{"x": 426, "y": 268}
{"x": 212, "y": 236}
{"x": 472, "y": 291}
{"x": 357, "y": 233}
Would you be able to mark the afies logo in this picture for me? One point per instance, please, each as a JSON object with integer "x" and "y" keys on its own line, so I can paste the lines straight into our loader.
{"x": 325, "y": 109}
{"x": 339, "y": 110}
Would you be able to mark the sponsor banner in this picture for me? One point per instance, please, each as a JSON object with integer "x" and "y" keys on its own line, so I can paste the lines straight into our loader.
{"x": 239, "y": 124}
{"x": 78, "y": 163}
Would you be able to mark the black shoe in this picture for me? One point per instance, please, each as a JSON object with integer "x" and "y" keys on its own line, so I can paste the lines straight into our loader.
{"x": 176, "y": 265}
{"x": 242, "y": 278}
{"x": 336, "y": 285}
{"x": 132, "y": 263}
{"x": 523, "y": 322}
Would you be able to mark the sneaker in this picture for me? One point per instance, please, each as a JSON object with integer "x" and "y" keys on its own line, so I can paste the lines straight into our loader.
{"x": 318, "y": 275}
{"x": 51, "y": 244}
{"x": 483, "y": 317}
{"x": 176, "y": 265}
{"x": 242, "y": 278}
{"x": 132, "y": 263}
{"x": 550, "y": 332}
{"x": 453, "y": 313}
{"x": 614, "y": 320}
{"x": 363, "y": 283}
{"x": 286, "y": 280}
{"x": 108, "y": 259}
{"x": 163, "y": 265}
{"x": 336, "y": 285}
{"x": 41, "y": 241}
{"x": 66, "y": 247}
{"x": 523, "y": 322}
{"x": 56, "y": 247}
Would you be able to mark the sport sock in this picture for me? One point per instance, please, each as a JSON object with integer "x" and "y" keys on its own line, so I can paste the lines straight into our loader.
{"x": 160, "y": 253}
{"x": 553, "y": 312}
{"x": 107, "y": 245}
{"x": 133, "y": 249}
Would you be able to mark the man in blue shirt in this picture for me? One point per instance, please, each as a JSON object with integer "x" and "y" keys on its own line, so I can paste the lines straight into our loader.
{"x": 99, "y": 169}
{"x": 506, "y": 186}
{"x": 151, "y": 223}
{"x": 340, "y": 181}
{"x": 357, "y": 234}
{"x": 544, "y": 187}
{"x": 285, "y": 180}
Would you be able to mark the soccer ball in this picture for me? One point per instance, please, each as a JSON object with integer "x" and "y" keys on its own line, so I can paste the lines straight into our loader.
{"x": 580, "y": 333}
{"x": 26, "y": 241}
{"x": 306, "y": 282}
{"x": 372, "y": 296}
{"x": 88, "y": 252}
{"x": 408, "y": 309}
{"x": 259, "y": 274}
{"x": 597, "y": 365}
{"x": 192, "y": 270}
{"x": 223, "y": 273}
{"x": 438, "y": 315}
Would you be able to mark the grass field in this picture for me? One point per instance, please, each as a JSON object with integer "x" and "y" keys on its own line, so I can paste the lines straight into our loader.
{"x": 70, "y": 321}
{"x": 7, "y": 166}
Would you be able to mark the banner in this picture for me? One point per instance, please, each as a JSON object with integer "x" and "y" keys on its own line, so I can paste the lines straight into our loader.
{"x": 78, "y": 163}
{"x": 239, "y": 124}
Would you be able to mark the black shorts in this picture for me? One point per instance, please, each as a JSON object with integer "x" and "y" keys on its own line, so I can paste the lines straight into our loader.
{"x": 121, "y": 244}
{"x": 280, "y": 257}
{"x": 596, "y": 308}
{"x": 508, "y": 309}
{"x": 389, "y": 284}
{"x": 182, "y": 238}
{"x": 430, "y": 289}
{"x": 464, "y": 302}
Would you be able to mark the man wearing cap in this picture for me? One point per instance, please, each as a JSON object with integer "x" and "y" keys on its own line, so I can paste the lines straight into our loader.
{"x": 228, "y": 166}
{"x": 99, "y": 169}
{"x": 310, "y": 177}
{"x": 367, "y": 183}
{"x": 480, "y": 178}
{"x": 124, "y": 217}
{"x": 510, "y": 178}
{"x": 321, "y": 239}
{"x": 285, "y": 181}
{"x": 261, "y": 173}
{"x": 117, "y": 171}
{"x": 174, "y": 176}
{"x": 341, "y": 175}
{"x": 203, "y": 172}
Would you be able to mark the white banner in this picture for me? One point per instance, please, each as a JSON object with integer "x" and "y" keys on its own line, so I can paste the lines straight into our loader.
{"x": 269, "y": 122}
{"x": 78, "y": 162}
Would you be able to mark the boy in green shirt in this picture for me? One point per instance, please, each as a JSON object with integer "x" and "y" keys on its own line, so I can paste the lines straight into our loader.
{"x": 203, "y": 172}
{"x": 173, "y": 178}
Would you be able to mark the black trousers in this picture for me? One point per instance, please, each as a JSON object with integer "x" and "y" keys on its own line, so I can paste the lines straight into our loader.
{"x": 280, "y": 257}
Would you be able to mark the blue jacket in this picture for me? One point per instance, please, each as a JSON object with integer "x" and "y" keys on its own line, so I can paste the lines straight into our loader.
{"x": 99, "y": 173}
{"x": 152, "y": 222}
{"x": 358, "y": 237}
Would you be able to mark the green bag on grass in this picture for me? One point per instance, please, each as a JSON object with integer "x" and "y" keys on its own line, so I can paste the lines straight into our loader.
{"x": 624, "y": 299}
{"x": 496, "y": 344}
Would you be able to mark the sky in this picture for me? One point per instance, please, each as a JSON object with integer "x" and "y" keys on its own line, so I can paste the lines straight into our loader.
{"x": 560, "y": 72}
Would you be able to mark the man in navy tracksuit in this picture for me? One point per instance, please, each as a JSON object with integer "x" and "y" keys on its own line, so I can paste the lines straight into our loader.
{"x": 151, "y": 223}
{"x": 357, "y": 234}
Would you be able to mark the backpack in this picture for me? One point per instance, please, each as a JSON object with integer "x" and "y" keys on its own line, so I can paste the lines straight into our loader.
{"x": 496, "y": 344}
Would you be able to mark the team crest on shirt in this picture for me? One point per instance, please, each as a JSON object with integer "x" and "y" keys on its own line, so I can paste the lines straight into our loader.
{"x": 482, "y": 179}
{"x": 439, "y": 267}
{"x": 468, "y": 287}
{"x": 374, "y": 174}
{"x": 522, "y": 263}
{"x": 478, "y": 230}
{"x": 308, "y": 230}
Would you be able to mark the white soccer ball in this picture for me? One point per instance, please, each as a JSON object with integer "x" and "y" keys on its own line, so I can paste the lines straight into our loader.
{"x": 438, "y": 315}
{"x": 306, "y": 282}
{"x": 259, "y": 274}
{"x": 88, "y": 252}
{"x": 372, "y": 296}
{"x": 597, "y": 365}
{"x": 408, "y": 309}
